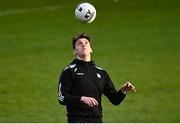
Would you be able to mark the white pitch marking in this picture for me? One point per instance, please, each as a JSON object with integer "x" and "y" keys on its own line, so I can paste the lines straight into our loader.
{"x": 27, "y": 10}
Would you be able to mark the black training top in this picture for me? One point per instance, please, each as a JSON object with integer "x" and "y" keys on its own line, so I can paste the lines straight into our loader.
{"x": 82, "y": 78}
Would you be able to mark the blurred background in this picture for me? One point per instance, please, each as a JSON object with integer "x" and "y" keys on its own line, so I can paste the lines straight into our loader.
{"x": 134, "y": 40}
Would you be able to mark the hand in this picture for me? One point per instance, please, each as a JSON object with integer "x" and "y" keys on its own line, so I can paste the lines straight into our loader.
{"x": 127, "y": 87}
{"x": 89, "y": 101}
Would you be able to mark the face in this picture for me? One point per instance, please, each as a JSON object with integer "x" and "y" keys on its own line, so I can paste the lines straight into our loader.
{"x": 82, "y": 47}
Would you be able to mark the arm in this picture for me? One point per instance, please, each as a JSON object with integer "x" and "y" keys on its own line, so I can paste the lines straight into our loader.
{"x": 64, "y": 88}
{"x": 114, "y": 96}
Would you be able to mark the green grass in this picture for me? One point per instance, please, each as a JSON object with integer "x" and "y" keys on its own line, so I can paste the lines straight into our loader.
{"x": 134, "y": 40}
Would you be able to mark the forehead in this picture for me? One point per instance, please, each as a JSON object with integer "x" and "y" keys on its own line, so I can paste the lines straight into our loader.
{"x": 82, "y": 40}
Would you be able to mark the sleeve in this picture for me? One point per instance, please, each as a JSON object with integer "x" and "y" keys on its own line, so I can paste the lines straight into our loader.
{"x": 114, "y": 96}
{"x": 64, "y": 88}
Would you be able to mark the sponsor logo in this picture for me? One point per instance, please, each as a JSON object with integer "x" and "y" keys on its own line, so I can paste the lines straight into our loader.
{"x": 80, "y": 73}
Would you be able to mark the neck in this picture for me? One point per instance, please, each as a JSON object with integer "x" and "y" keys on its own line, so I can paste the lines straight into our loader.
{"x": 84, "y": 58}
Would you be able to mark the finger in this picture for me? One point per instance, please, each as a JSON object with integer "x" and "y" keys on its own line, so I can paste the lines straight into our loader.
{"x": 94, "y": 102}
{"x": 128, "y": 84}
{"x": 131, "y": 86}
{"x": 90, "y": 103}
{"x": 133, "y": 89}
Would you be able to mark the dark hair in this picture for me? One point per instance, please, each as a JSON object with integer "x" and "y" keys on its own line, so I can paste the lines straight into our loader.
{"x": 79, "y": 36}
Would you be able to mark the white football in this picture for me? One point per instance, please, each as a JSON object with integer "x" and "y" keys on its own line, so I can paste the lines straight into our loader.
{"x": 85, "y": 12}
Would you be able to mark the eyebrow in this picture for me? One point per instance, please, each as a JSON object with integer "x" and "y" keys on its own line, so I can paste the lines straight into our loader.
{"x": 82, "y": 41}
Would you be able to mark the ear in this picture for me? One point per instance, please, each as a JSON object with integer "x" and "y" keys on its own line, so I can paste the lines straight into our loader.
{"x": 91, "y": 51}
{"x": 74, "y": 52}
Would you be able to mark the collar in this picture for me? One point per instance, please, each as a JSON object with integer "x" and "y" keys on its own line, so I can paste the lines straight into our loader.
{"x": 77, "y": 61}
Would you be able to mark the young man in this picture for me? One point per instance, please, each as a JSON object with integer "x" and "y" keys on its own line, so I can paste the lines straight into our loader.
{"x": 82, "y": 84}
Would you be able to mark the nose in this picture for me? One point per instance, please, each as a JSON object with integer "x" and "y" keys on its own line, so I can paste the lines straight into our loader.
{"x": 83, "y": 45}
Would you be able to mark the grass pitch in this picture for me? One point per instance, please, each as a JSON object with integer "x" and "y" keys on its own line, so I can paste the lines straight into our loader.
{"x": 134, "y": 40}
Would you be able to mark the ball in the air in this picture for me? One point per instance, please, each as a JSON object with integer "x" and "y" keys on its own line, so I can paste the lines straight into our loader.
{"x": 85, "y": 12}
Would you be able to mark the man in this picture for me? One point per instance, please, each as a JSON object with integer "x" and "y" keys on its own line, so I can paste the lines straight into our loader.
{"x": 82, "y": 84}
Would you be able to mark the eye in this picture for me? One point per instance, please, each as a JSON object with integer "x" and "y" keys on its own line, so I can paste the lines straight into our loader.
{"x": 79, "y": 43}
{"x": 86, "y": 42}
